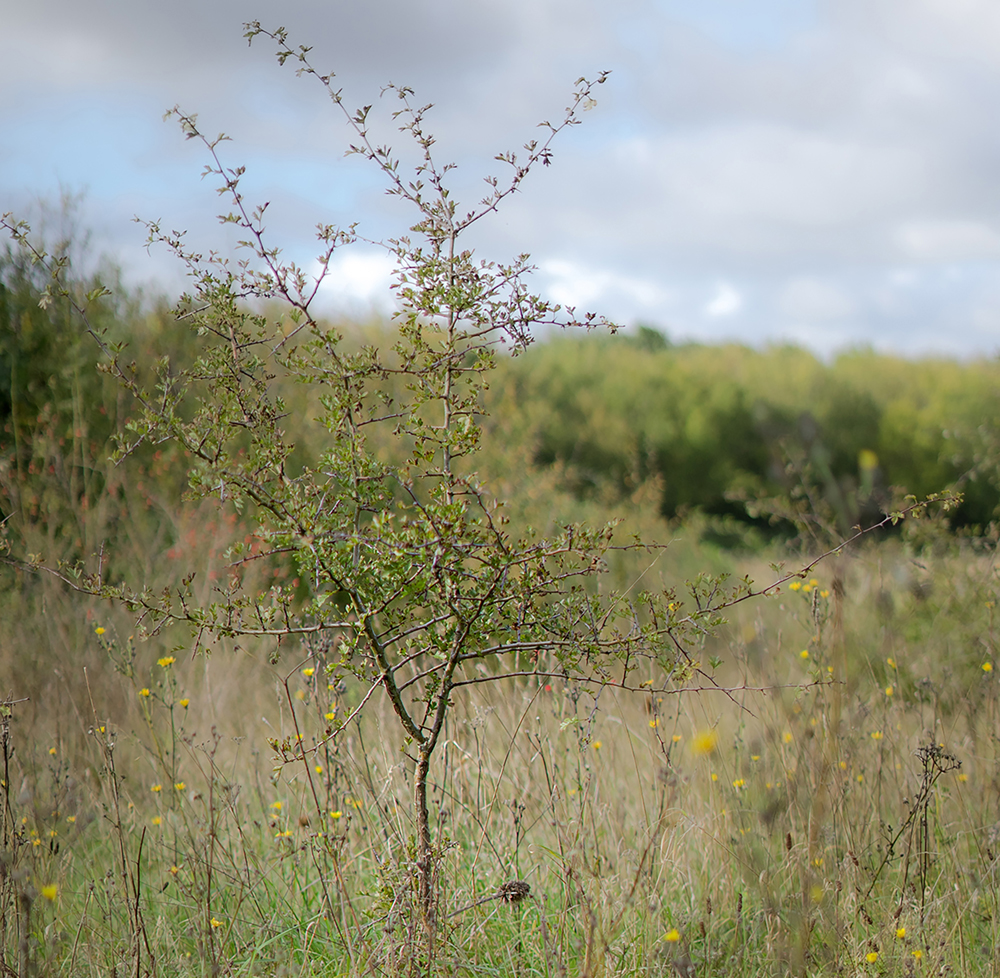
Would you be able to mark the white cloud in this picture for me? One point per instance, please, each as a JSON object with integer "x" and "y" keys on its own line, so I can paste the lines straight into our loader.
{"x": 358, "y": 281}
{"x": 572, "y": 284}
{"x": 945, "y": 241}
{"x": 811, "y": 300}
{"x": 727, "y": 301}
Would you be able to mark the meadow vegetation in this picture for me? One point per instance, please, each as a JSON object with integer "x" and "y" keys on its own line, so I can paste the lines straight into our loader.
{"x": 707, "y": 753}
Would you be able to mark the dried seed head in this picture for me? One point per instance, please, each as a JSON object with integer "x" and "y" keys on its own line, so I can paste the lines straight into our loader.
{"x": 514, "y": 892}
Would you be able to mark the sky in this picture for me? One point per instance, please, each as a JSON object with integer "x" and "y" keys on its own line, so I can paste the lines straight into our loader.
{"x": 765, "y": 171}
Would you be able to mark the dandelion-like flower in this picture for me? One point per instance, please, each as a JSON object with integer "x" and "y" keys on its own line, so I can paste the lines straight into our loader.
{"x": 99, "y": 630}
{"x": 673, "y": 935}
{"x": 704, "y": 743}
{"x": 900, "y": 932}
{"x": 804, "y": 654}
{"x": 166, "y": 661}
{"x": 871, "y": 957}
{"x": 50, "y": 891}
{"x": 144, "y": 692}
{"x": 308, "y": 672}
{"x": 987, "y": 667}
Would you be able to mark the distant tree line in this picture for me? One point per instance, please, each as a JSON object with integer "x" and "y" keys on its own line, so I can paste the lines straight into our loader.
{"x": 725, "y": 430}
{"x": 725, "y": 427}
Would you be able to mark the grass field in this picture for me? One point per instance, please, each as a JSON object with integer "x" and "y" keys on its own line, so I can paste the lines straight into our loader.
{"x": 833, "y": 808}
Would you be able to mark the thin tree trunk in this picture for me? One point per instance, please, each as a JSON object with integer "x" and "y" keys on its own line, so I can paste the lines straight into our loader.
{"x": 425, "y": 867}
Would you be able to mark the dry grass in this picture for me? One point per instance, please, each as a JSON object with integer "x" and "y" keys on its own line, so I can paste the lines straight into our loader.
{"x": 744, "y": 833}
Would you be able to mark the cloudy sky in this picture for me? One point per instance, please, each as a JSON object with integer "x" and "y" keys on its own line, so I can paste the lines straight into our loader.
{"x": 762, "y": 170}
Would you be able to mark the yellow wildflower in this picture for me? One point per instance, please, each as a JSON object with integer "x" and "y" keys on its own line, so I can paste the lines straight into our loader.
{"x": 704, "y": 743}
